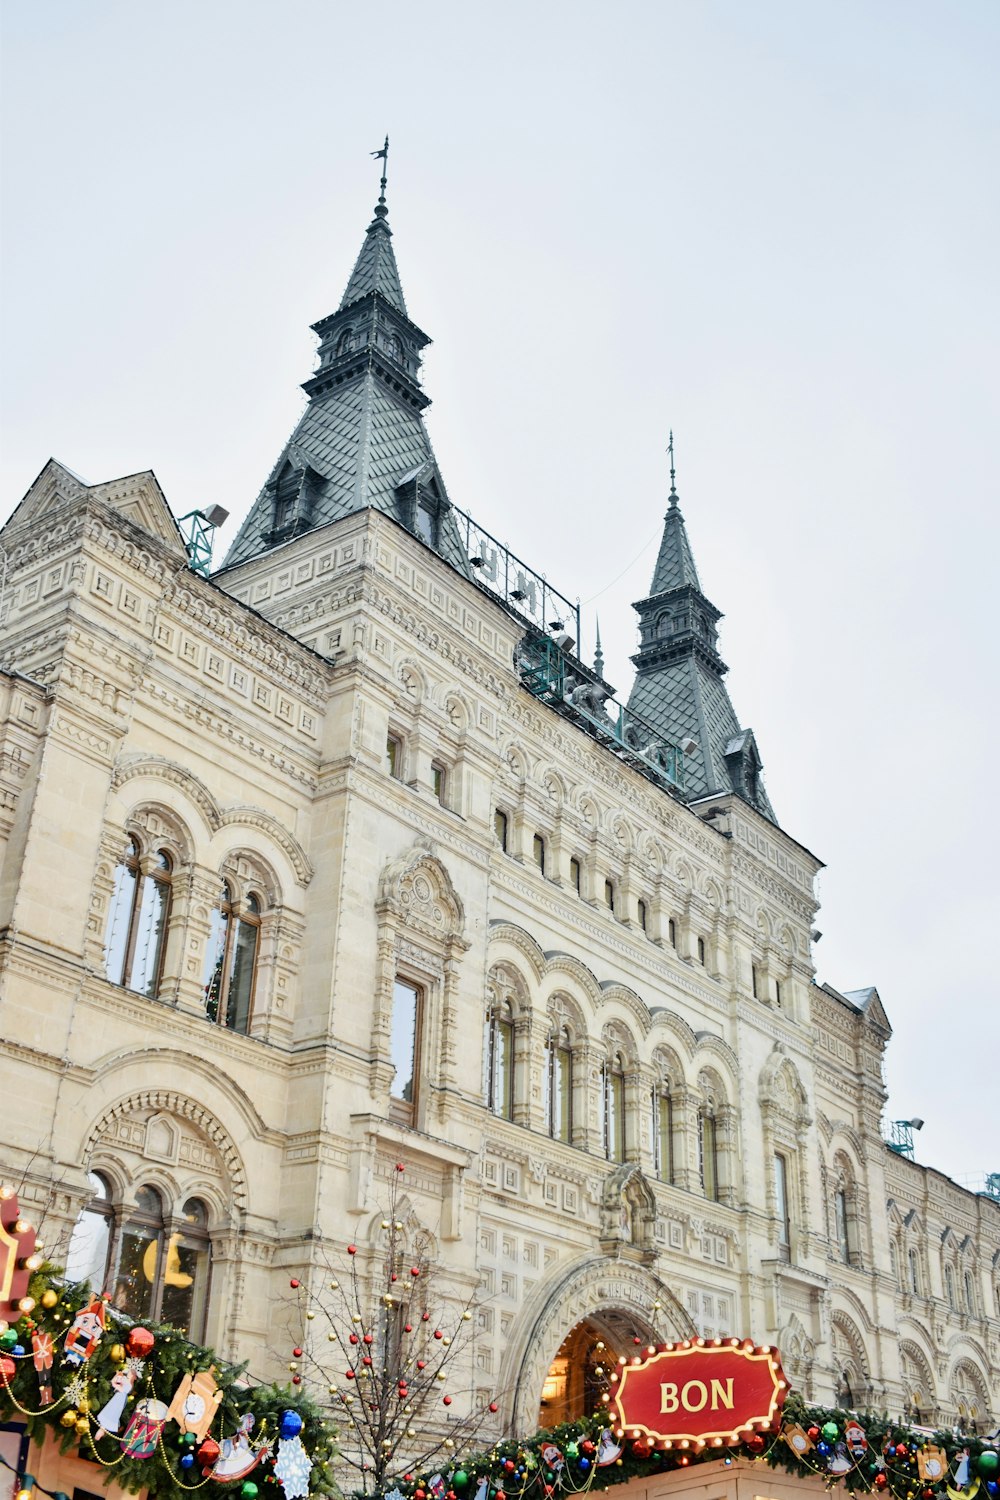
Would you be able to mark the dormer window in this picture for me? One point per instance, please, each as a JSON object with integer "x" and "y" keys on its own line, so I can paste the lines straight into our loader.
{"x": 426, "y": 522}
{"x": 286, "y": 494}
{"x": 346, "y": 341}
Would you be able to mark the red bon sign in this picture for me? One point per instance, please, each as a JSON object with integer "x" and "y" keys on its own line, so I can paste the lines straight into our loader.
{"x": 17, "y": 1256}
{"x": 707, "y": 1393}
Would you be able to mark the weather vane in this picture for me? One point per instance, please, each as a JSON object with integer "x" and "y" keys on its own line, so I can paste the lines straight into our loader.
{"x": 383, "y": 156}
{"x": 670, "y": 450}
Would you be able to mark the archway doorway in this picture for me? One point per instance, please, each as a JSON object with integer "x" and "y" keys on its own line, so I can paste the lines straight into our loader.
{"x": 579, "y": 1374}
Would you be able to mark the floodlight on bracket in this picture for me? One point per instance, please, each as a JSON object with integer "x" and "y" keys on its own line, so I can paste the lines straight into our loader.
{"x": 198, "y": 529}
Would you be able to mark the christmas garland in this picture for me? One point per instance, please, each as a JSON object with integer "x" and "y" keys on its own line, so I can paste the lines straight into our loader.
{"x": 866, "y": 1453}
{"x": 153, "y": 1409}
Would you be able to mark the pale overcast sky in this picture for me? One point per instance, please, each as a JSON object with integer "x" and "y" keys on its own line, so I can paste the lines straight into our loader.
{"x": 771, "y": 226}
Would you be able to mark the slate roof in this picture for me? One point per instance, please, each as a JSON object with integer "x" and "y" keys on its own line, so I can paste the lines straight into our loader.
{"x": 675, "y": 563}
{"x": 679, "y": 685}
{"x": 375, "y": 269}
{"x": 362, "y": 433}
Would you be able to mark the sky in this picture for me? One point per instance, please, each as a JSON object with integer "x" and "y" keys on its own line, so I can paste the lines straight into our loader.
{"x": 771, "y": 227}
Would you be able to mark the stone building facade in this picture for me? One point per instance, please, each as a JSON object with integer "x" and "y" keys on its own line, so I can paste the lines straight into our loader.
{"x": 342, "y": 857}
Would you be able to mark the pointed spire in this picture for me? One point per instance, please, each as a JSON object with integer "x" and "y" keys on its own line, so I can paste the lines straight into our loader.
{"x": 598, "y": 653}
{"x": 375, "y": 268}
{"x": 675, "y": 563}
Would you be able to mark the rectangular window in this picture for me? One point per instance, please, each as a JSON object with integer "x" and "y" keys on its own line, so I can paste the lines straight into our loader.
{"x": 701, "y": 950}
{"x": 777, "y": 992}
{"x": 394, "y": 756}
{"x": 575, "y": 874}
{"x": 498, "y": 1067}
{"x": 614, "y": 1114}
{"x": 609, "y": 894}
{"x": 840, "y": 1214}
{"x": 559, "y": 1091}
{"x": 663, "y": 1135}
{"x": 403, "y": 1040}
{"x": 708, "y": 1161}
{"x": 538, "y": 851}
{"x": 672, "y": 932}
{"x": 641, "y": 913}
{"x": 781, "y": 1205}
{"x": 755, "y": 981}
{"x": 500, "y": 828}
{"x": 439, "y": 782}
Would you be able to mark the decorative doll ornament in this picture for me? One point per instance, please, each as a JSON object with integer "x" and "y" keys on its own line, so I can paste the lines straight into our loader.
{"x": 110, "y": 1416}
{"x": 85, "y": 1333}
{"x": 239, "y": 1455}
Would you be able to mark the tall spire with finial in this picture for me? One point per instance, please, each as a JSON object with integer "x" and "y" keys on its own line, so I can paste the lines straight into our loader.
{"x": 679, "y": 686}
{"x": 598, "y": 653}
{"x": 361, "y": 442}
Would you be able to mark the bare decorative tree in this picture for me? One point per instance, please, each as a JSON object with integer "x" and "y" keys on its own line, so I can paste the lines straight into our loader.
{"x": 377, "y": 1350}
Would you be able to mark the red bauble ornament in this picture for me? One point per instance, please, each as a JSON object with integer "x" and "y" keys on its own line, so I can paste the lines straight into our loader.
{"x": 139, "y": 1343}
{"x": 348, "y": 1374}
{"x": 438, "y": 1334}
{"x": 640, "y": 1448}
{"x": 8, "y": 1368}
{"x": 510, "y": 1465}
{"x": 493, "y": 1406}
{"x": 414, "y": 1270}
{"x": 418, "y": 1494}
{"x": 501, "y": 1495}
{"x": 901, "y": 1450}
{"x": 881, "y": 1481}
{"x": 586, "y": 1447}
{"x": 294, "y": 1283}
{"x": 407, "y": 1327}
{"x": 352, "y": 1338}
{"x": 421, "y": 1364}
{"x": 446, "y": 1400}
{"x": 425, "y": 1317}
{"x": 637, "y": 1341}
{"x": 352, "y": 1249}
{"x": 368, "y": 1338}
{"x": 296, "y": 1380}
{"x": 393, "y": 1277}
{"x": 366, "y": 1361}
{"x": 297, "y": 1352}
{"x": 928, "y": 1493}
{"x": 207, "y": 1454}
{"x": 400, "y": 1167}
{"x": 812, "y": 1433}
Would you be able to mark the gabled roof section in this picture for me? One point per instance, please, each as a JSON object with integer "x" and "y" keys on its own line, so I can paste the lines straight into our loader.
{"x": 375, "y": 269}
{"x": 137, "y": 496}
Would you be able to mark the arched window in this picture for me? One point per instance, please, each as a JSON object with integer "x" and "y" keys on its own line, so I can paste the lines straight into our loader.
{"x": 840, "y": 1217}
{"x": 894, "y": 1261}
{"x": 538, "y": 851}
{"x": 139, "y": 1255}
{"x": 559, "y": 1084}
{"x": 641, "y": 914}
{"x": 970, "y": 1294}
{"x": 498, "y": 1060}
{"x": 87, "y": 1256}
{"x": 346, "y": 341}
{"x": 613, "y": 1107}
{"x": 663, "y": 1131}
{"x": 164, "y": 1276}
{"x": 137, "y": 919}
{"x": 708, "y": 1153}
{"x": 231, "y": 959}
{"x": 949, "y": 1286}
{"x": 672, "y": 932}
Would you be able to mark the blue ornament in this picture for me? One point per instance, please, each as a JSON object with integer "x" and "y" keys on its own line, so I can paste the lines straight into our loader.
{"x": 823, "y": 1449}
{"x": 187, "y": 1460}
{"x": 992, "y": 1487}
{"x": 291, "y": 1424}
{"x": 18, "y": 1351}
{"x": 585, "y": 1464}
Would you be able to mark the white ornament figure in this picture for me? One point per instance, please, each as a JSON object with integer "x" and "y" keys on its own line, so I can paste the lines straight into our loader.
{"x": 292, "y": 1468}
{"x": 109, "y": 1418}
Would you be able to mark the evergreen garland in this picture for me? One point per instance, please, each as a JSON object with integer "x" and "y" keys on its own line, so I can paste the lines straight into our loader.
{"x": 173, "y": 1357}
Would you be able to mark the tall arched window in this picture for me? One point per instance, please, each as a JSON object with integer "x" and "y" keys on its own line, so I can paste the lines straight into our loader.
{"x": 231, "y": 959}
{"x": 970, "y": 1294}
{"x": 949, "y": 1286}
{"x": 663, "y": 1131}
{"x": 185, "y": 1276}
{"x": 708, "y": 1153}
{"x": 914, "y": 1264}
{"x": 87, "y": 1256}
{"x": 164, "y": 1276}
{"x": 559, "y": 1084}
{"x": 498, "y": 1060}
{"x": 137, "y": 918}
{"x": 613, "y": 1106}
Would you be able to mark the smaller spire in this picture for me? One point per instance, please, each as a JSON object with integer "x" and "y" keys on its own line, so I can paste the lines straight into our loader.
{"x": 598, "y": 653}
{"x": 673, "y": 486}
{"x": 381, "y": 211}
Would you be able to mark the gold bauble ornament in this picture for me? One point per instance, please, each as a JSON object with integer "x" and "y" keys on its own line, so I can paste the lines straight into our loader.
{"x": 68, "y": 1419}
{"x": 82, "y": 1426}
{"x": 117, "y": 1352}
{"x": 83, "y": 1407}
{"x": 49, "y": 1298}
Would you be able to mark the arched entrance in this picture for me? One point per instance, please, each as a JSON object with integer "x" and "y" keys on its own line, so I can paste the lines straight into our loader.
{"x": 552, "y": 1357}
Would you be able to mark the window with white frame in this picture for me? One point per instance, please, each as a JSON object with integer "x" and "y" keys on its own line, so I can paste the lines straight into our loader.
{"x": 138, "y": 914}
{"x": 231, "y": 956}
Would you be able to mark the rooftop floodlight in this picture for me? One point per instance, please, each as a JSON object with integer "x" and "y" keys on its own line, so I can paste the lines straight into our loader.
{"x": 901, "y": 1139}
